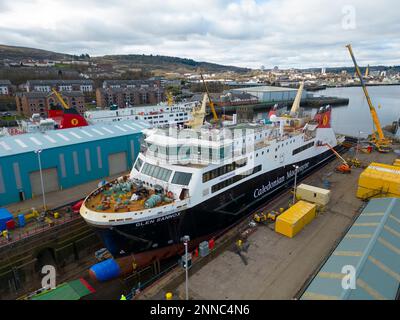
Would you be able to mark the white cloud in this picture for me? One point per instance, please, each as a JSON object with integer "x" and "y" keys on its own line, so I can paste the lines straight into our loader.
{"x": 249, "y": 33}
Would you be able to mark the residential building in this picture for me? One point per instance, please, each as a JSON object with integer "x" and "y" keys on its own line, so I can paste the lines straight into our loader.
{"x": 29, "y": 103}
{"x": 60, "y": 85}
{"x": 123, "y": 97}
{"x": 131, "y": 84}
{"x": 5, "y": 87}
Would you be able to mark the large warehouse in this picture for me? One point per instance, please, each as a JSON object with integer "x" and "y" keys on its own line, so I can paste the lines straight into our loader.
{"x": 366, "y": 263}
{"x": 271, "y": 94}
{"x": 67, "y": 157}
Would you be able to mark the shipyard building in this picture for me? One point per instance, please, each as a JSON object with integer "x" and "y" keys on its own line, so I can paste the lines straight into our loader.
{"x": 271, "y": 94}
{"x": 66, "y": 158}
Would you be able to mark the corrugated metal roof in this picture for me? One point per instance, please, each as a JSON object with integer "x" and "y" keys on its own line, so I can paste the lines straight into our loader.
{"x": 264, "y": 89}
{"x": 372, "y": 246}
{"x": 17, "y": 144}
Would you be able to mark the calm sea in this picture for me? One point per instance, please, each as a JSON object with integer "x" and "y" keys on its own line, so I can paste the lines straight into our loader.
{"x": 355, "y": 117}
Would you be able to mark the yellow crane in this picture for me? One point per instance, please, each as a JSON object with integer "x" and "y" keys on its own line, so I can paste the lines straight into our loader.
{"x": 59, "y": 98}
{"x": 170, "y": 99}
{"x": 215, "y": 117}
{"x": 381, "y": 142}
{"x": 297, "y": 100}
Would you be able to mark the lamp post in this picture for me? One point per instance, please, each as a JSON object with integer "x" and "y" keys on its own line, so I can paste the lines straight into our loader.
{"x": 185, "y": 240}
{"x": 38, "y": 152}
{"x": 295, "y": 181}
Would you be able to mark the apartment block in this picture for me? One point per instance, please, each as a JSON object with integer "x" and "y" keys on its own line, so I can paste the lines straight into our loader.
{"x": 124, "y": 97}
{"x": 59, "y": 85}
{"x": 29, "y": 103}
{"x": 131, "y": 84}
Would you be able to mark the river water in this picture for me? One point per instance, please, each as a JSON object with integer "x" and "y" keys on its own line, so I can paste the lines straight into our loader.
{"x": 355, "y": 117}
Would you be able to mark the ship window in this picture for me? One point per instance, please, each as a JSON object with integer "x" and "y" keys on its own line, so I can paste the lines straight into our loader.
{"x": 234, "y": 179}
{"x": 138, "y": 164}
{"x": 182, "y": 178}
{"x": 156, "y": 172}
{"x": 302, "y": 148}
{"x": 209, "y": 175}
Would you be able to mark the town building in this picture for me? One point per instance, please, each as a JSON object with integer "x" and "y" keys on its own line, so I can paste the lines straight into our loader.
{"x": 5, "y": 87}
{"x": 68, "y": 158}
{"x": 29, "y": 103}
{"x": 60, "y": 85}
{"x": 124, "y": 97}
{"x": 131, "y": 84}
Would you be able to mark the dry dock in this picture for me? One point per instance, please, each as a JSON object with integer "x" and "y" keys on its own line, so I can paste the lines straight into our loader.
{"x": 278, "y": 267}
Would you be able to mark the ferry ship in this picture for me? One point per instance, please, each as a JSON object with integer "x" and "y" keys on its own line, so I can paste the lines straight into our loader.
{"x": 163, "y": 114}
{"x": 200, "y": 181}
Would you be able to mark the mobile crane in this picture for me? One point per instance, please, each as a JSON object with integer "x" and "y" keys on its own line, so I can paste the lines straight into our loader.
{"x": 381, "y": 143}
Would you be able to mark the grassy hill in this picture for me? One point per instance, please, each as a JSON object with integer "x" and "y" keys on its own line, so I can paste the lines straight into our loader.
{"x": 18, "y": 53}
{"x": 131, "y": 61}
{"x": 167, "y": 63}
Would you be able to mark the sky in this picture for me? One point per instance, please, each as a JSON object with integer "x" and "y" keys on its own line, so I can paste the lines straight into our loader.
{"x": 245, "y": 33}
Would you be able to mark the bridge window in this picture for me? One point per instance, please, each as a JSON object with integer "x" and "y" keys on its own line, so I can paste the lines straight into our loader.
{"x": 156, "y": 172}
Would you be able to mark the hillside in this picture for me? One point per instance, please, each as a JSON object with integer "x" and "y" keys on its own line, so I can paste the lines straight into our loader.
{"x": 167, "y": 63}
{"x": 19, "y": 53}
{"x": 146, "y": 62}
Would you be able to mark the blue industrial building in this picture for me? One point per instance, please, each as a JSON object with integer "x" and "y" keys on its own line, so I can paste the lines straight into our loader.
{"x": 67, "y": 157}
{"x": 372, "y": 248}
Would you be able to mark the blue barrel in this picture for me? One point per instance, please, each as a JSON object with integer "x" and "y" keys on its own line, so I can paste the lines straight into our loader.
{"x": 21, "y": 220}
{"x": 105, "y": 270}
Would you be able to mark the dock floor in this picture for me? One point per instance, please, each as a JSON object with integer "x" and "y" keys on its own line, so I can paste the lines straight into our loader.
{"x": 277, "y": 266}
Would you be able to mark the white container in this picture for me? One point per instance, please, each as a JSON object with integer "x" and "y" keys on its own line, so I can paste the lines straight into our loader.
{"x": 313, "y": 194}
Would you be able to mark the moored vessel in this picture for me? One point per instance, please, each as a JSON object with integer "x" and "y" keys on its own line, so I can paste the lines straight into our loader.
{"x": 200, "y": 181}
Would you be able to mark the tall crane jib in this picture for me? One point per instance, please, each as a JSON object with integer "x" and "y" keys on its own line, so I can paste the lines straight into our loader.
{"x": 214, "y": 113}
{"x": 381, "y": 142}
{"x": 60, "y": 98}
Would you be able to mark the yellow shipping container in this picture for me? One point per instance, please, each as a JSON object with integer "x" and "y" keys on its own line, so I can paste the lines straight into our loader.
{"x": 313, "y": 194}
{"x": 295, "y": 218}
{"x": 379, "y": 180}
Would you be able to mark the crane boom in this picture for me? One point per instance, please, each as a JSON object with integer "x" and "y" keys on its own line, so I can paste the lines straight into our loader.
{"x": 59, "y": 98}
{"x": 381, "y": 141}
{"x": 209, "y": 99}
{"x": 336, "y": 153}
{"x": 296, "y": 102}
